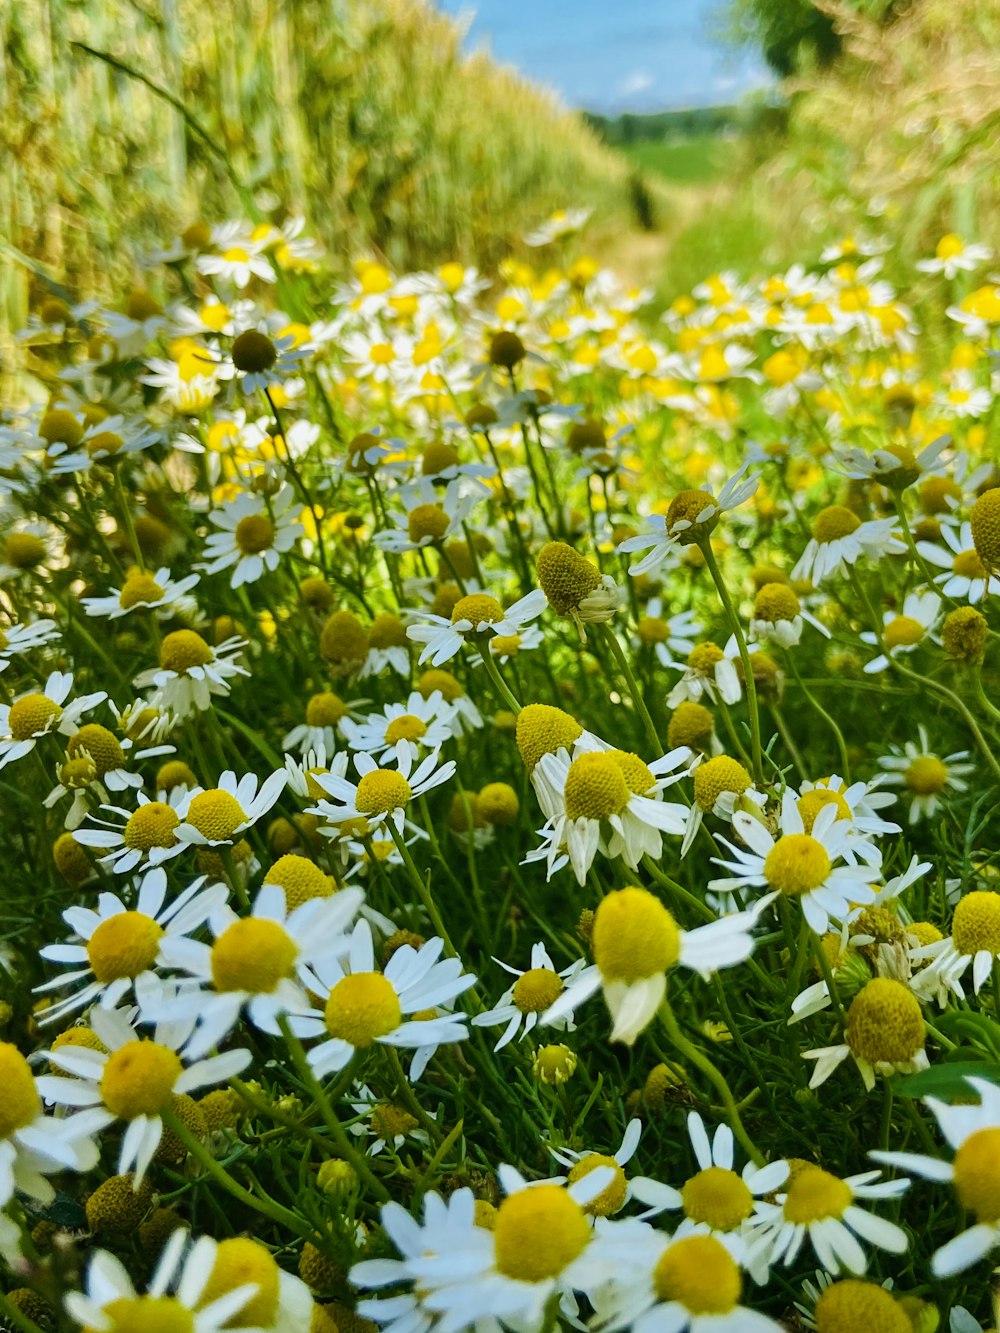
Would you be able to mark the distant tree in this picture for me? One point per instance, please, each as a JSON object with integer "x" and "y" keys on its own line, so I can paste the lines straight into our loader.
{"x": 793, "y": 34}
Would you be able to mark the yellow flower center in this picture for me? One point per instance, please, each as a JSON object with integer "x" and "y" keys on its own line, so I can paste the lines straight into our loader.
{"x": 428, "y": 520}
{"x": 634, "y": 937}
{"x": 685, "y": 507}
{"x": 99, "y": 744}
{"x": 60, "y": 426}
{"x": 717, "y": 1197}
{"x": 478, "y": 607}
{"x": 405, "y": 728}
{"x": 704, "y": 658}
{"x": 542, "y": 729}
{"x": 20, "y": 1103}
{"x": 152, "y": 825}
{"x": 123, "y": 946}
{"x": 936, "y": 492}
{"x": 776, "y": 601}
{"x": 884, "y": 1023}
{"x": 505, "y": 645}
{"x": 184, "y": 649}
{"x": 691, "y": 724}
{"x": 903, "y": 631}
{"x": 139, "y": 588}
{"x": 537, "y": 989}
{"x": 240, "y": 1262}
{"x": 834, "y": 522}
{"x": 595, "y": 787}
{"x": 24, "y": 550}
{"x": 325, "y": 709}
{"x": 717, "y": 775}
{"x": 796, "y": 864}
{"x": 566, "y": 577}
{"x": 215, "y": 814}
{"x": 612, "y": 1198}
{"x": 814, "y": 1194}
{"x": 810, "y": 803}
{"x": 361, "y": 1008}
{"x": 699, "y": 1273}
{"x": 538, "y": 1232}
{"x": 977, "y": 1174}
{"x": 104, "y": 442}
{"x": 968, "y": 565}
{"x": 846, "y": 1307}
{"x": 652, "y": 630}
{"x": 389, "y": 1121}
{"x": 254, "y": 534}
{"x": 437, "y": 457}
{"x": 638, "y": 776}
{"x": 253, "y": 955}
{"x": 139, "y": 1079}
{"x": 926, "y": 775}
{"x": 343, "y": 639}
{"x": 300, "y": 879}
{"x": 985, "y": 520}
{"x": 148, "y": 1314}
{"x": 388, "y": 631}
{"x": 975, "y": 925}
{"x": 382, "y": 790}
{"x": 32, "y": 715}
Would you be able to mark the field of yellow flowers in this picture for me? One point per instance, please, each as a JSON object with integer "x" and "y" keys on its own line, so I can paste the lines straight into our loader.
{"x": 500, "y": 797}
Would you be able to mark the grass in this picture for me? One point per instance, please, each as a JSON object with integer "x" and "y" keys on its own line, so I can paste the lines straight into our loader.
{"x": 693, "y": 161}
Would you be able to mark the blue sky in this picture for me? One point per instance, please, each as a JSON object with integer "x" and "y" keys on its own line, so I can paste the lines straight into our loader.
{"x": 615, "y": 55}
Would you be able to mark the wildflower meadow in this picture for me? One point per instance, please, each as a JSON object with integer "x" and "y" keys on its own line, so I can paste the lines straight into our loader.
{"x": 499, "y": 791}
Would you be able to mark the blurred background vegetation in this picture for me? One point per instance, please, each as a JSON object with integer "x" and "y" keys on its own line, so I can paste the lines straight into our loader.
{"x": 366, "y": 116}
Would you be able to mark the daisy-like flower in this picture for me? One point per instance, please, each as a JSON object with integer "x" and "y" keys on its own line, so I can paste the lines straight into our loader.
{"x": 143, "y": 591}
{"x": 896, "y": 466}
{"x": 668, "y": 636}
{"x": 974, "y": 942}
{"x": 709, "y": 671}
{"x": 925, "y": 776}
{"x": 239, "y": 264}
{"x": 822, "y": 1208}
{"x": 134, "y": 1079}
{"x": 884, "y": 1034}
{"x": 973, "y": 1134}
{"x": 146, "y": 834}
{"x": 613, "y": 1198}
{"x": 802, "y": 865}
{"x": 218, "y": 816}
{"x": 675, "y": 1284}
{"x": 839, "y": 539}
{"x": 326, "y": 714}
{"x": 902, "y": 632}
{"x": 691, "y": 518}
{"x": 636, "y": 941}
{"x": 24, "y": 637}
{"x": 534, "y": 991}
{"x": 191, "y": 672}
{"x": 381, "y": 795}
{"x": 254, "y": 535}
{"x": 857, "y": 803}
{"x": 428, "y": 517}
{"x": 185, "y": 1291}
{"x": 106, "y": 441}
{"x": 721, "y": 787}
{"x": 608, "y": 797}
{"x": 255, "y": 962}
{"x": 384, "y": 1123}
{"x": 778, "y": 615}
{"x": 952, "y": 256}
{"x": 32, "y": 716}
{"x": 363, "y": 1007}
{"x": 117, "y": 948}
{"x": 558, "y": 225}
{"x": 965, "y": 577}
{"x": 419, "y": 724}
{"x": 477, "y": 614}
{"x": 34, "y": 1145}
{"x": 264, "y": 361}
{"x": 96, "y": 762}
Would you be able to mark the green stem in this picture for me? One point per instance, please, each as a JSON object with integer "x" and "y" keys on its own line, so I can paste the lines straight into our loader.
{"x": 618, "y": 653}
{"x": 16, "y": 1318}
{"x": 830, "y": 721}
{"x": 824, "y": 966}
{"x": 423, "y": 891}
{"x": 500, "y": 684}
{"x": 741, "y": 643}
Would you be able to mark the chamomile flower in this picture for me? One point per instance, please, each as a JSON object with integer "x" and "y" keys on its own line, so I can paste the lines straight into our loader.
{"x": 953, "y": 255}
{"x": 636, "y": 941}
{"x": 39, "y": 712}
{"x": 925, "y": 776}
{"x": 778, "y": 615}
{"x": 265, "y": 361}
{"x": 253, "y": 535}
{"x": 192, "y": 672}
{"x": 802, "y": 865}
{"x": 143, "y": 591}
{"x": 610, "y": 798}
{"x": 428, "y": 517}
{"x": 380, "y": 795}
{"x": 613, "y": 1198}
{"x": 966, "y": 578}
{"x": 534, "y": 991}
{"x": 822, "y": 1208}
{"x": 239, "y": 264}
{"x": 472, "y": 616}
{"x": 116, "y": 948}
{"x": 384, "y": 1123}
{"x": 133, "y": 1079}
{"x": 668, "y": 636}
{"x": 417, "y": 725}
{"x": 216, "y": 817}
{"x": 24, "y": 638}
{"x": 254, "y": 963}
{"x": 147, "y": 834}
{"x": 884, "y": 1034}
{"x": 858, "y": 803}
{"x": 325, "y": 716}
{"x": 709, "y": 672}
{"x": 903, "y": 631}
{"x": 721, "y": 787}
{"x": 974, "y": 942}
{"x": 691, "y": 517}
{"x": 363, "y": 1006}
{"x": 34, "y": 1145}
{"x": 973, "y": 1134}
{"x": 839, "y": 539}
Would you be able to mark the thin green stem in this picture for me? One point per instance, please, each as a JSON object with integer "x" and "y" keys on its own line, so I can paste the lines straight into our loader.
{"x": 422, "y": 888}
{"x": 500, "y": 684}
{"x": 753, "y": 711}
{"x": 618, "y": 653}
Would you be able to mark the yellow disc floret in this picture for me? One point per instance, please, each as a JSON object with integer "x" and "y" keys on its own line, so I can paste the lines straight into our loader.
{"x": 699, "y": 1273}
{"x": 139, "y": 589}
{"x": 814, "y": 1194}
{"x": 33, "y": 715}
{"x": 147, "y": 1314}
{"x": 687, "y": 507}
{"x": 638, "y": 776}
{"x": 796, "y": 864}
{"x": 254, "y": 534}
{"x": 184, "y": 649}
{"x": 240, "y": 1262}
{"x": 20, "y": 1102}
{"x": 851, "y": 1305}
{"x": 538, "y": 1233}
{"x": 704, "y": 658}
{"x": 152, "y": 825}
{"x": 776, "y": 601}
{"x": 611, "y": 1199}
{"x": 382, "y": 791}
{"x": 542, "y": 729}
{"x": 833, "y": 523}
{"x": 216, "y": 814}
{"x": 325, "y": 709}
{"x": 718, "y": 1198}
{"x": 811, "y": 802}
{"x": 427, "y": 523}
{"x": 884, "y": 1023}
{"x": 717, "y": 775}
{"x": 975, "y": 925}
{"x": 407, "y": 727}
{"x": 124, "y": 946}
{"x": 926, "y": 775}
{"x": 100, "y": 744}
{"x": 361, "y": 1008}
{"x": 595, "y": 787}
{"x": 977, "y": 1174}
{"x": 301, "y": 879}
{"x": 536, "y": 990}
{"x": 635, "y": 937}
{"x": 903, "y": 632}
{"x": 254, "y": 955}
{"x": 690, "y": 724}
{"x": 478, "y": 608}
{"x": 566, "y": 577}
{"x": 139, "y": 1079}
{"x": 985, "y": 521}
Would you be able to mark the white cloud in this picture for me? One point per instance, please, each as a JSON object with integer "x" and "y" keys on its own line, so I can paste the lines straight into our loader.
{"x": 639, "y": 81}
